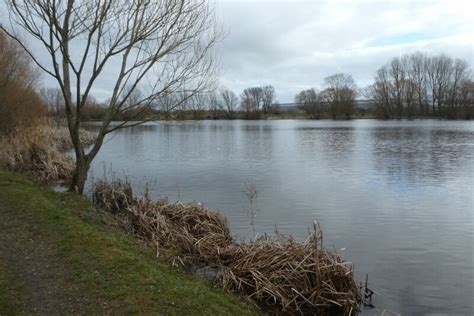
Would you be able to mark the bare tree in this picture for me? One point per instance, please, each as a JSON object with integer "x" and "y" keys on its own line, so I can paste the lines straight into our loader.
{"x": 166, "y": 104}
{"x": 214, "y": 104}
{"x": 248, "y": 106}
{"x": 53, "y": 97}
{"x": 252, "y": 99}
{"x": 382, "y": 93}
{"x": 397, "y": 74}
{"x": 340, "y": 93}
{"x": 229, "y": 103}
{"x": 467, "y": 99}
{"x": 197, "y": 104}
{"x": 460, "y": 75}
{"x": 406, "y": 85}
{"x": 159, "y": 47}
{"x": 310, "y": 102}
{"x": 268, "y": 97}
{"x": 255, "y": 99}
{"x": 439, "y": 70}
{"x": 417, "y": 74}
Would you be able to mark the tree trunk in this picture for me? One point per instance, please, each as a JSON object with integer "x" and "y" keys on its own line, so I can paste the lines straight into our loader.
{"x": 79, "y": 176}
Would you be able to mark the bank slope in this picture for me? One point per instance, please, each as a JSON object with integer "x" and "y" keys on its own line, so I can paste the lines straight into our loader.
{"x": 59, "y": 255}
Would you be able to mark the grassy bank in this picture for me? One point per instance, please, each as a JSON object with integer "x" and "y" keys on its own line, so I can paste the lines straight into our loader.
{"x": 60, "y": 255}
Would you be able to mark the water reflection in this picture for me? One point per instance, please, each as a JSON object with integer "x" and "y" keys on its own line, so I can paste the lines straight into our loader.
{"x": 409, "y": 156}
{"x": 397, "y": 195}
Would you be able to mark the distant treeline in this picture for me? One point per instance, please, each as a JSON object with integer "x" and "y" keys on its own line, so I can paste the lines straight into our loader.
{"x": 422, "y": 85}
{"x": 412, "y": 86}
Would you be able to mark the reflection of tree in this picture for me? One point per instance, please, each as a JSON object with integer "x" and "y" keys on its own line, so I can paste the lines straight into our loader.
{"x": 251, "y": 194}
{"x": 338, "y": 142}
{"x": 412, "y": 154}
{"x": 332, "y": 144}
{"x": 140, "y": 129}
{"x": 257, "y": 141}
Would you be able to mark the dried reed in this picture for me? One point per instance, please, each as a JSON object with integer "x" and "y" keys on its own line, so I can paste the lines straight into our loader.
{"x": 199, "y": 234}
{"x": 291, "y": 277}
{"x": 114, "y": 196}
{"x": 280, "y": 275}
{"x": 40, "y": 151}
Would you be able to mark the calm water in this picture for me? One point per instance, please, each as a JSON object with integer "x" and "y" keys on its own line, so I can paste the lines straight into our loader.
{"x": 398, "y": 196}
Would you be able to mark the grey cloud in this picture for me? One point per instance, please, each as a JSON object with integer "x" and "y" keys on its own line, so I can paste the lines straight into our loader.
{"x": 294, "y": 45}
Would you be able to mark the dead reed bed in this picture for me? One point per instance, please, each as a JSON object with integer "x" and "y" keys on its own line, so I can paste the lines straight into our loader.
{"x": 40, "y": 151}
{"x": 291, "y": 277}
{"x": 114, "y": 196}
{"x": 278, "y": 274}
{"x": 199, "y": 234}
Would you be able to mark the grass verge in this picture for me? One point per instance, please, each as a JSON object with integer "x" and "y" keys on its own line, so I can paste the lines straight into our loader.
{"x": 59, "y": 254}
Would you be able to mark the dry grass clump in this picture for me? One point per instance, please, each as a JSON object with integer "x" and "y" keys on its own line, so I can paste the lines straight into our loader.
{"x": 114, "y": 196}
{"x": 280, "y": 275}
{"x": 61, "y": 138}
{"x": 40, "y": 151}
{"x": 197, "y": 232}
{"x": 291, "y": 277}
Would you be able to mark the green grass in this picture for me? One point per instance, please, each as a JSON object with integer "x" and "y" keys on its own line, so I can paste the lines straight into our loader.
{"x": 95, "y": 260}
{"x": 11, "y": 294}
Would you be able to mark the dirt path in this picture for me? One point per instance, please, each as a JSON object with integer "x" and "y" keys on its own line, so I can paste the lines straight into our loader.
{"x": 36, "y": 277}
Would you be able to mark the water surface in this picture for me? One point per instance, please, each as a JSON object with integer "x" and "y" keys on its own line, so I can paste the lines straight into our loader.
{"x": 397, "y": 195}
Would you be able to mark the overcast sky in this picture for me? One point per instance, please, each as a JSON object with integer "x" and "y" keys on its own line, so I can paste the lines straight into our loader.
{"x": 293, "y": 45}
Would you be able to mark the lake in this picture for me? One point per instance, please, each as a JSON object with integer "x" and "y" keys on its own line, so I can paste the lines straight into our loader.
{"x": 396, "y": 196}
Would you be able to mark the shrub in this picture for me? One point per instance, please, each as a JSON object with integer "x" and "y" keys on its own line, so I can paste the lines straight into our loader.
{"x": 20, "y": 105}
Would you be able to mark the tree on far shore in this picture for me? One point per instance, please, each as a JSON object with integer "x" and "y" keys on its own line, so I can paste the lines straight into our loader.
{"x": 340, "y": 94}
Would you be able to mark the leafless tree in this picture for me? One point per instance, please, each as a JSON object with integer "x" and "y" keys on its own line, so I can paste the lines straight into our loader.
{"x": 460, "y": 75}
{"x": 467, "y": 99}
{"x": 166, "y": 104}
{"x": 439, "y": 70}
{"x": 248, "y": 106}
{"x": 310, "y": 102}
{"x": 406, "y": 86}
{"x": 255, "y": 99}
{"x": 159, "y": 47}
{"x": 197, "y": 104}
{"x": 252, "y": 99}
{"x": 229, "y": 103}
{"x": 214, "y": 104}
{"x": 397, "y": 74}
{"x": 268, "y": 97}
{"x": 340, "y": 94}
{"x": 53, "y": 97}
{"x": 417, "y": 74}
{"x": 380, "y": 93}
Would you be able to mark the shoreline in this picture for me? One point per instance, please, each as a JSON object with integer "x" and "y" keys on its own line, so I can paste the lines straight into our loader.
{"x": 78, "y": 260}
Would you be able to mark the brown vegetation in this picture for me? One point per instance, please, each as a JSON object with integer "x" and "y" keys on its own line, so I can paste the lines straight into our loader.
{"x": 28, "y": 141}
{"x": 198, "y": 233}
{"x": 280, "y": 275}
{"x": 40, "y": 150}
{"x": 291, "y": 276}
{"x": 20, "y": 105}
